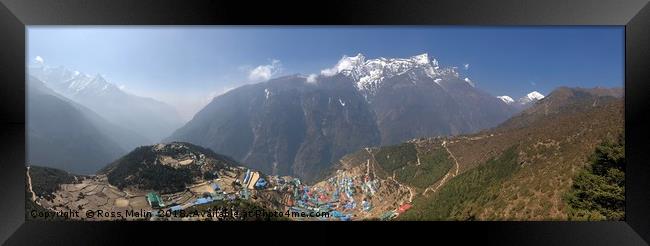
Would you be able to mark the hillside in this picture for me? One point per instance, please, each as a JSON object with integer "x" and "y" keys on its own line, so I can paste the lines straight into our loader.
{"x": 43, "y": 187}
{"x": 520, "y": 170}
{"x": 194, "y": 180}
{"x": 65, "y": 135}
{"x": 532, "y": 167}
{"x": 564, "y": 100}
{"x": 285, "y": 126}
{"x": 598, "y": 192}
{"x": 49, "y": 180}
{"x": 165, "y": 167}
{"x": 524, "y": 172}
{"x": 152, "y": 120}
{"x": 299, "y": 125}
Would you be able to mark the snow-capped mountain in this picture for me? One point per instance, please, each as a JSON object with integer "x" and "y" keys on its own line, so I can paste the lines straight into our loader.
{"x": 531, "y": 97}
{"x": 299, "y": 125}
{"x": 151, "y": 118}
{"x": 73, "y": 83}
{"x": 83, "y": 83}
{"x": 523, "y": 102}
{"x": 506, "y": 99}
{"x": 370, "y": 73}
{"x": 64, "y": 134}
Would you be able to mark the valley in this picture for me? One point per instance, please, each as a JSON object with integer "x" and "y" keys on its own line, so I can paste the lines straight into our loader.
{"x": 291, "y": 126}
{"x": 503, "y": 173}
{"x": 324, "y": 124}
{"x": 447, "y": 178}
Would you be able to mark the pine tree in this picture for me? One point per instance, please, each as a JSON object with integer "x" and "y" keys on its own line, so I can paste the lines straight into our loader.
{"x": 598, "y": 193}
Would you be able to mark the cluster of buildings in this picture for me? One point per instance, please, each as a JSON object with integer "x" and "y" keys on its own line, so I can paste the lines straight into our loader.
{"x": 243, "y": 187}
{"x": 343, "y": 196}
{"x": 253, "y": 180}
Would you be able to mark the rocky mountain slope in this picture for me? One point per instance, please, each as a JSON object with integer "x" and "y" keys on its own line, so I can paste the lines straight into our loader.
{"x": 152, "y": 119}
{"x": 285, "y": 126}
{"x": 298, "y": 125}
{"x": 69, "y": 136}
{"x": 520, "y": 170}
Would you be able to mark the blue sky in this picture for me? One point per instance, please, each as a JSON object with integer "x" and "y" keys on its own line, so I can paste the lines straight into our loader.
{"x": 186, "y": 66}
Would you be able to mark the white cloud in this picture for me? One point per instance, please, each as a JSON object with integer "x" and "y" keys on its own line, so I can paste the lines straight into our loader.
{"x": 312, "y": 78}
{"x": 345, "y": 63}
{"x": 39, "y": 60}
{"x": 466, "y": 66}
{"x": 265, "y": 72}
{"x": 329, "y": 72}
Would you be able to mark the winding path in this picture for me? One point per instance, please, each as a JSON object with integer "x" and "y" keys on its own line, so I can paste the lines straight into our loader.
{"x": 29, "y": 180}
{"x": 393, "y": 178}
{"x": 457, "y": 167}
{"x": 452, "y": 173}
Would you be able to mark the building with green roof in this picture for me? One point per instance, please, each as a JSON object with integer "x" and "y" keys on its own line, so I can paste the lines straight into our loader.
{"x": 154, "y": 200}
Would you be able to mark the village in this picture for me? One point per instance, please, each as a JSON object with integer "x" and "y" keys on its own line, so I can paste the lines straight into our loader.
{"x": 342, "y": 197}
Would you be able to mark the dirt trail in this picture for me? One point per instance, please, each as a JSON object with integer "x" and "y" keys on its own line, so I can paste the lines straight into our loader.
{"x": 29, "y": 180}
{"x": 457, "y": 167}
{"x": 393, "y": 178}
{"x": 452, "y": 172}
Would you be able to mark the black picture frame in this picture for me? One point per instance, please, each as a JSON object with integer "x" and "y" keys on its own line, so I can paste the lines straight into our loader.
{"x": 15, "y": 15}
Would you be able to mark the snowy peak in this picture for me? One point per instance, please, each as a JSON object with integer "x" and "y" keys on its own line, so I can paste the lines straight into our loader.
{"x": 347, "y": 65}
{"x": 369, "y": 73}
{"x": 99, "y": 79}
{"x": 531, "y": 97}
{"x": 83, "y": 83}
{"x": 506, "y": 99}
{"x": 535, "y": 96}
{"x": 422, "y": 59}
{"x": 524, "y": 101}
{"x": 71, "y": 83}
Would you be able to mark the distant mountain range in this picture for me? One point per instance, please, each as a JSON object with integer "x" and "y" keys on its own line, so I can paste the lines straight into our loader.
{"x": 298, "y": 125}
{"x": 66, "y": 135}
{"x": 80, "y": 123}
{"x": 150, "y": 118}
{"x": 293, "y": 125}
{"x": 565, "y": 100}
{"x": 524, "y": 102}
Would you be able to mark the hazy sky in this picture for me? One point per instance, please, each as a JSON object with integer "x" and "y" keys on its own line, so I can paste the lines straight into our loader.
{"x": 186, "y": 66}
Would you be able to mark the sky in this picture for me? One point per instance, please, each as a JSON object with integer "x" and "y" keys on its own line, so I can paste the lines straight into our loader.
{"x": 187, "y": 66}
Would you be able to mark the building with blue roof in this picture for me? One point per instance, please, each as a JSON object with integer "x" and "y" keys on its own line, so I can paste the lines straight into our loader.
{"x": 203, "y": 200}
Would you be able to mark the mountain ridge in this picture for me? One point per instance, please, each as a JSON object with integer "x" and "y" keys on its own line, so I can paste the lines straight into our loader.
{"x": 66, "y": 135}
{"x": 150, "y": 118}
{"x": 529, "y": 167}
{"x": 298, "y": 125}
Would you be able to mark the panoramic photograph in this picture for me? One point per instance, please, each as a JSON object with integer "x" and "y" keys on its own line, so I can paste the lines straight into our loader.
{"x": 354, "y": 123}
